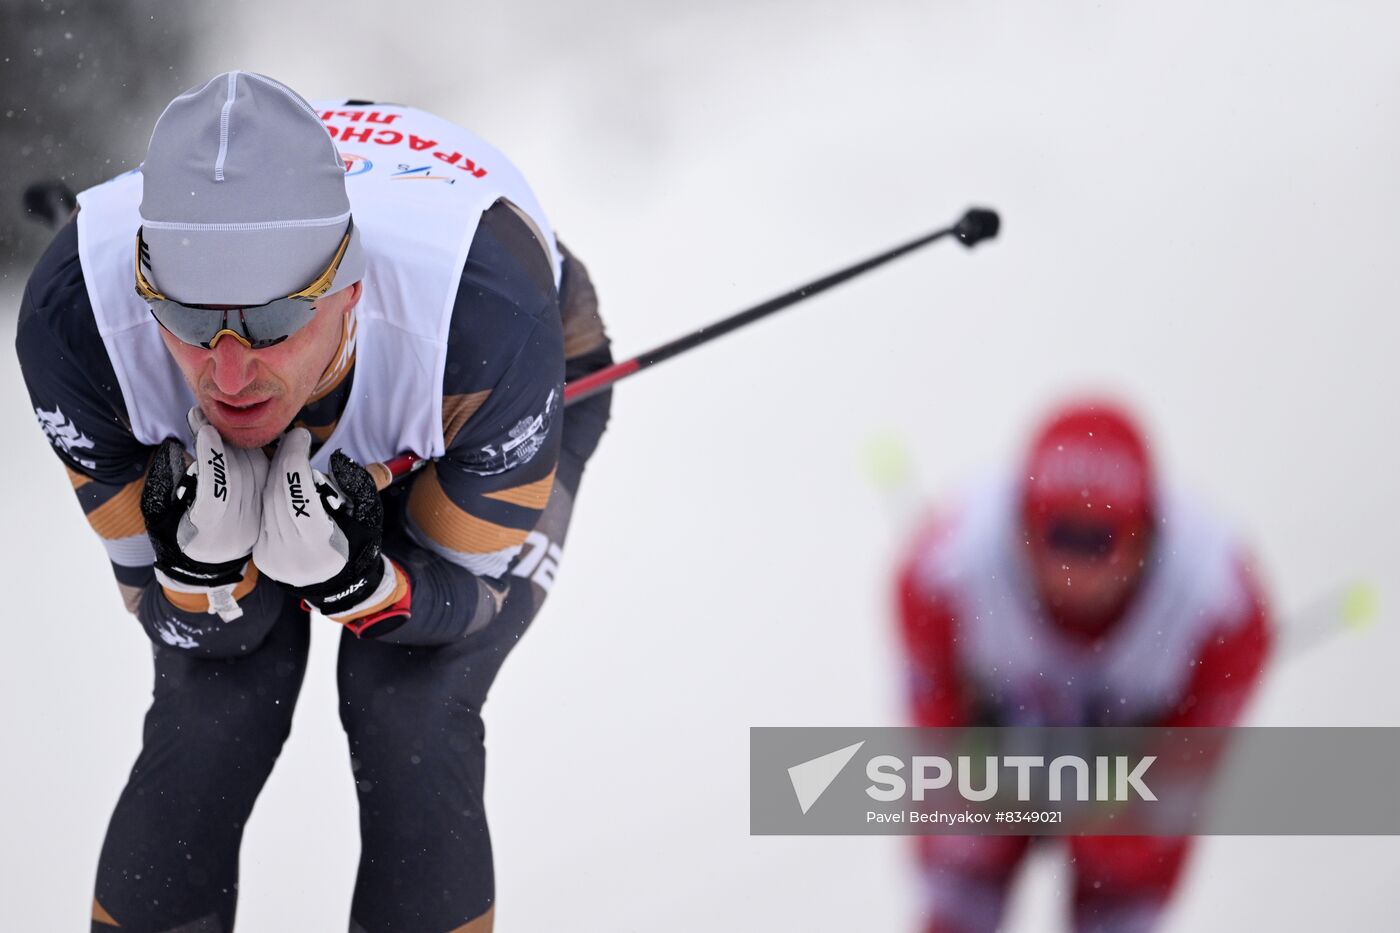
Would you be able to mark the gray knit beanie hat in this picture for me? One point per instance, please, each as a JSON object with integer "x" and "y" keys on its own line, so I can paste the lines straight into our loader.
{"x": 244, "y": 195}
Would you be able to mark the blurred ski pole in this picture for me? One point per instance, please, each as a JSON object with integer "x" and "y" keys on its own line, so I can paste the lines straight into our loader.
{"x": 891, "y": 471}
{"x": 50, "y": 202}
{"x": 1353, "y": 607}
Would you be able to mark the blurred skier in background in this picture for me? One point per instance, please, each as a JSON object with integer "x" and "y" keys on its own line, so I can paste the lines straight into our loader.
{"x": 1081, "y": 591}
{"x": 229, "y": 351}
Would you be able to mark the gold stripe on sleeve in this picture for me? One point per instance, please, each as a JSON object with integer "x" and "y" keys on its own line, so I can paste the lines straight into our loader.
{"x": 187, "y": 602}
{"x": 77, "y": 479}
{"x": 449, "y": 525}
{"x": 457, "y": 411}
{"x": 100, "y": 915}
{"x": 199, "y": 602}
{"x": 482, "y": 924}
{"x": 531, "y": 495}
{"x": 120, "y": 516}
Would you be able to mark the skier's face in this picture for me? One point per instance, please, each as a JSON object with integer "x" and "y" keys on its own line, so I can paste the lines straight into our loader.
{"x": 251, "y": 396}
{"x": 1086, "y": 573}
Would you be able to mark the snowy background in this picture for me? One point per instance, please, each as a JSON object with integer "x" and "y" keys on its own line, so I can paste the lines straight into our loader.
{"x": 1199, "y": 207}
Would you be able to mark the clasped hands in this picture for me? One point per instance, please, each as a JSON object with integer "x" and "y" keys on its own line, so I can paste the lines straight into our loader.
{"x": 319, "y": 535}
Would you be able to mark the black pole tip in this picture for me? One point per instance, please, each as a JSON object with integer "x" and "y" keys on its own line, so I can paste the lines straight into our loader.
{"x": 978, "y": 224}
{"x": 50, "y": 202}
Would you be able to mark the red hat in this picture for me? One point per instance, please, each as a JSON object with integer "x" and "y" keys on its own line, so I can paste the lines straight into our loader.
{"x": 1089, "y": 461}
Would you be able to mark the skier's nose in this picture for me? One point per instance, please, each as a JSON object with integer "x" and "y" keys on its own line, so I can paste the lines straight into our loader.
{"x": 233, "y": 366}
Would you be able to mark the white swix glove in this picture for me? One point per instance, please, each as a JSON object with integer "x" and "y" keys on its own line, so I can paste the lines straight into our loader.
{"x": 321, "y": 534}
{"x": 203, "y": 519}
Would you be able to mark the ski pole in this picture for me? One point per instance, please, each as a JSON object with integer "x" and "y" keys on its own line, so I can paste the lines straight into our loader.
{"x": 976, "y": 225}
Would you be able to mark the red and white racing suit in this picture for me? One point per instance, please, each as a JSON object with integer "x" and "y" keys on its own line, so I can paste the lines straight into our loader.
{"x": 1187, "y": 651}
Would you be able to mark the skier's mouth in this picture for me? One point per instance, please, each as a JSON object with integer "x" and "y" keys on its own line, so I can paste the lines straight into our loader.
{"x": 242, "y": 412}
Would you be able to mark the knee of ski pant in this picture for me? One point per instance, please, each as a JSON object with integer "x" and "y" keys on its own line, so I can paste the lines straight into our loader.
{"x": 406, "y": 704}
{"x": 220, "y": 728}
{"x": 225, "y": 702}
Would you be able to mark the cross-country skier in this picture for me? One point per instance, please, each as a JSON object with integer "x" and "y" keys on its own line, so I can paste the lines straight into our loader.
{"x": 224, "y": 348}
{"x": 1080, "y": 591}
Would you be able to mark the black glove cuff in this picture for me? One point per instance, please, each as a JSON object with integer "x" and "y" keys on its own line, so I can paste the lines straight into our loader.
{"x": 349, "y": 587}
{"x": 193, "y": 573}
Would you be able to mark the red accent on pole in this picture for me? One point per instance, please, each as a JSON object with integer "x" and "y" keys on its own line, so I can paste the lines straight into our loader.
{"x": 597, "y": 381}
{"x": 403, "y": 464}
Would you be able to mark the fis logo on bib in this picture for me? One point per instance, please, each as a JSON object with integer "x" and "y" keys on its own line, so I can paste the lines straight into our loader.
{"x": 355, "y": 164}
{"x": 408, "y": 172}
